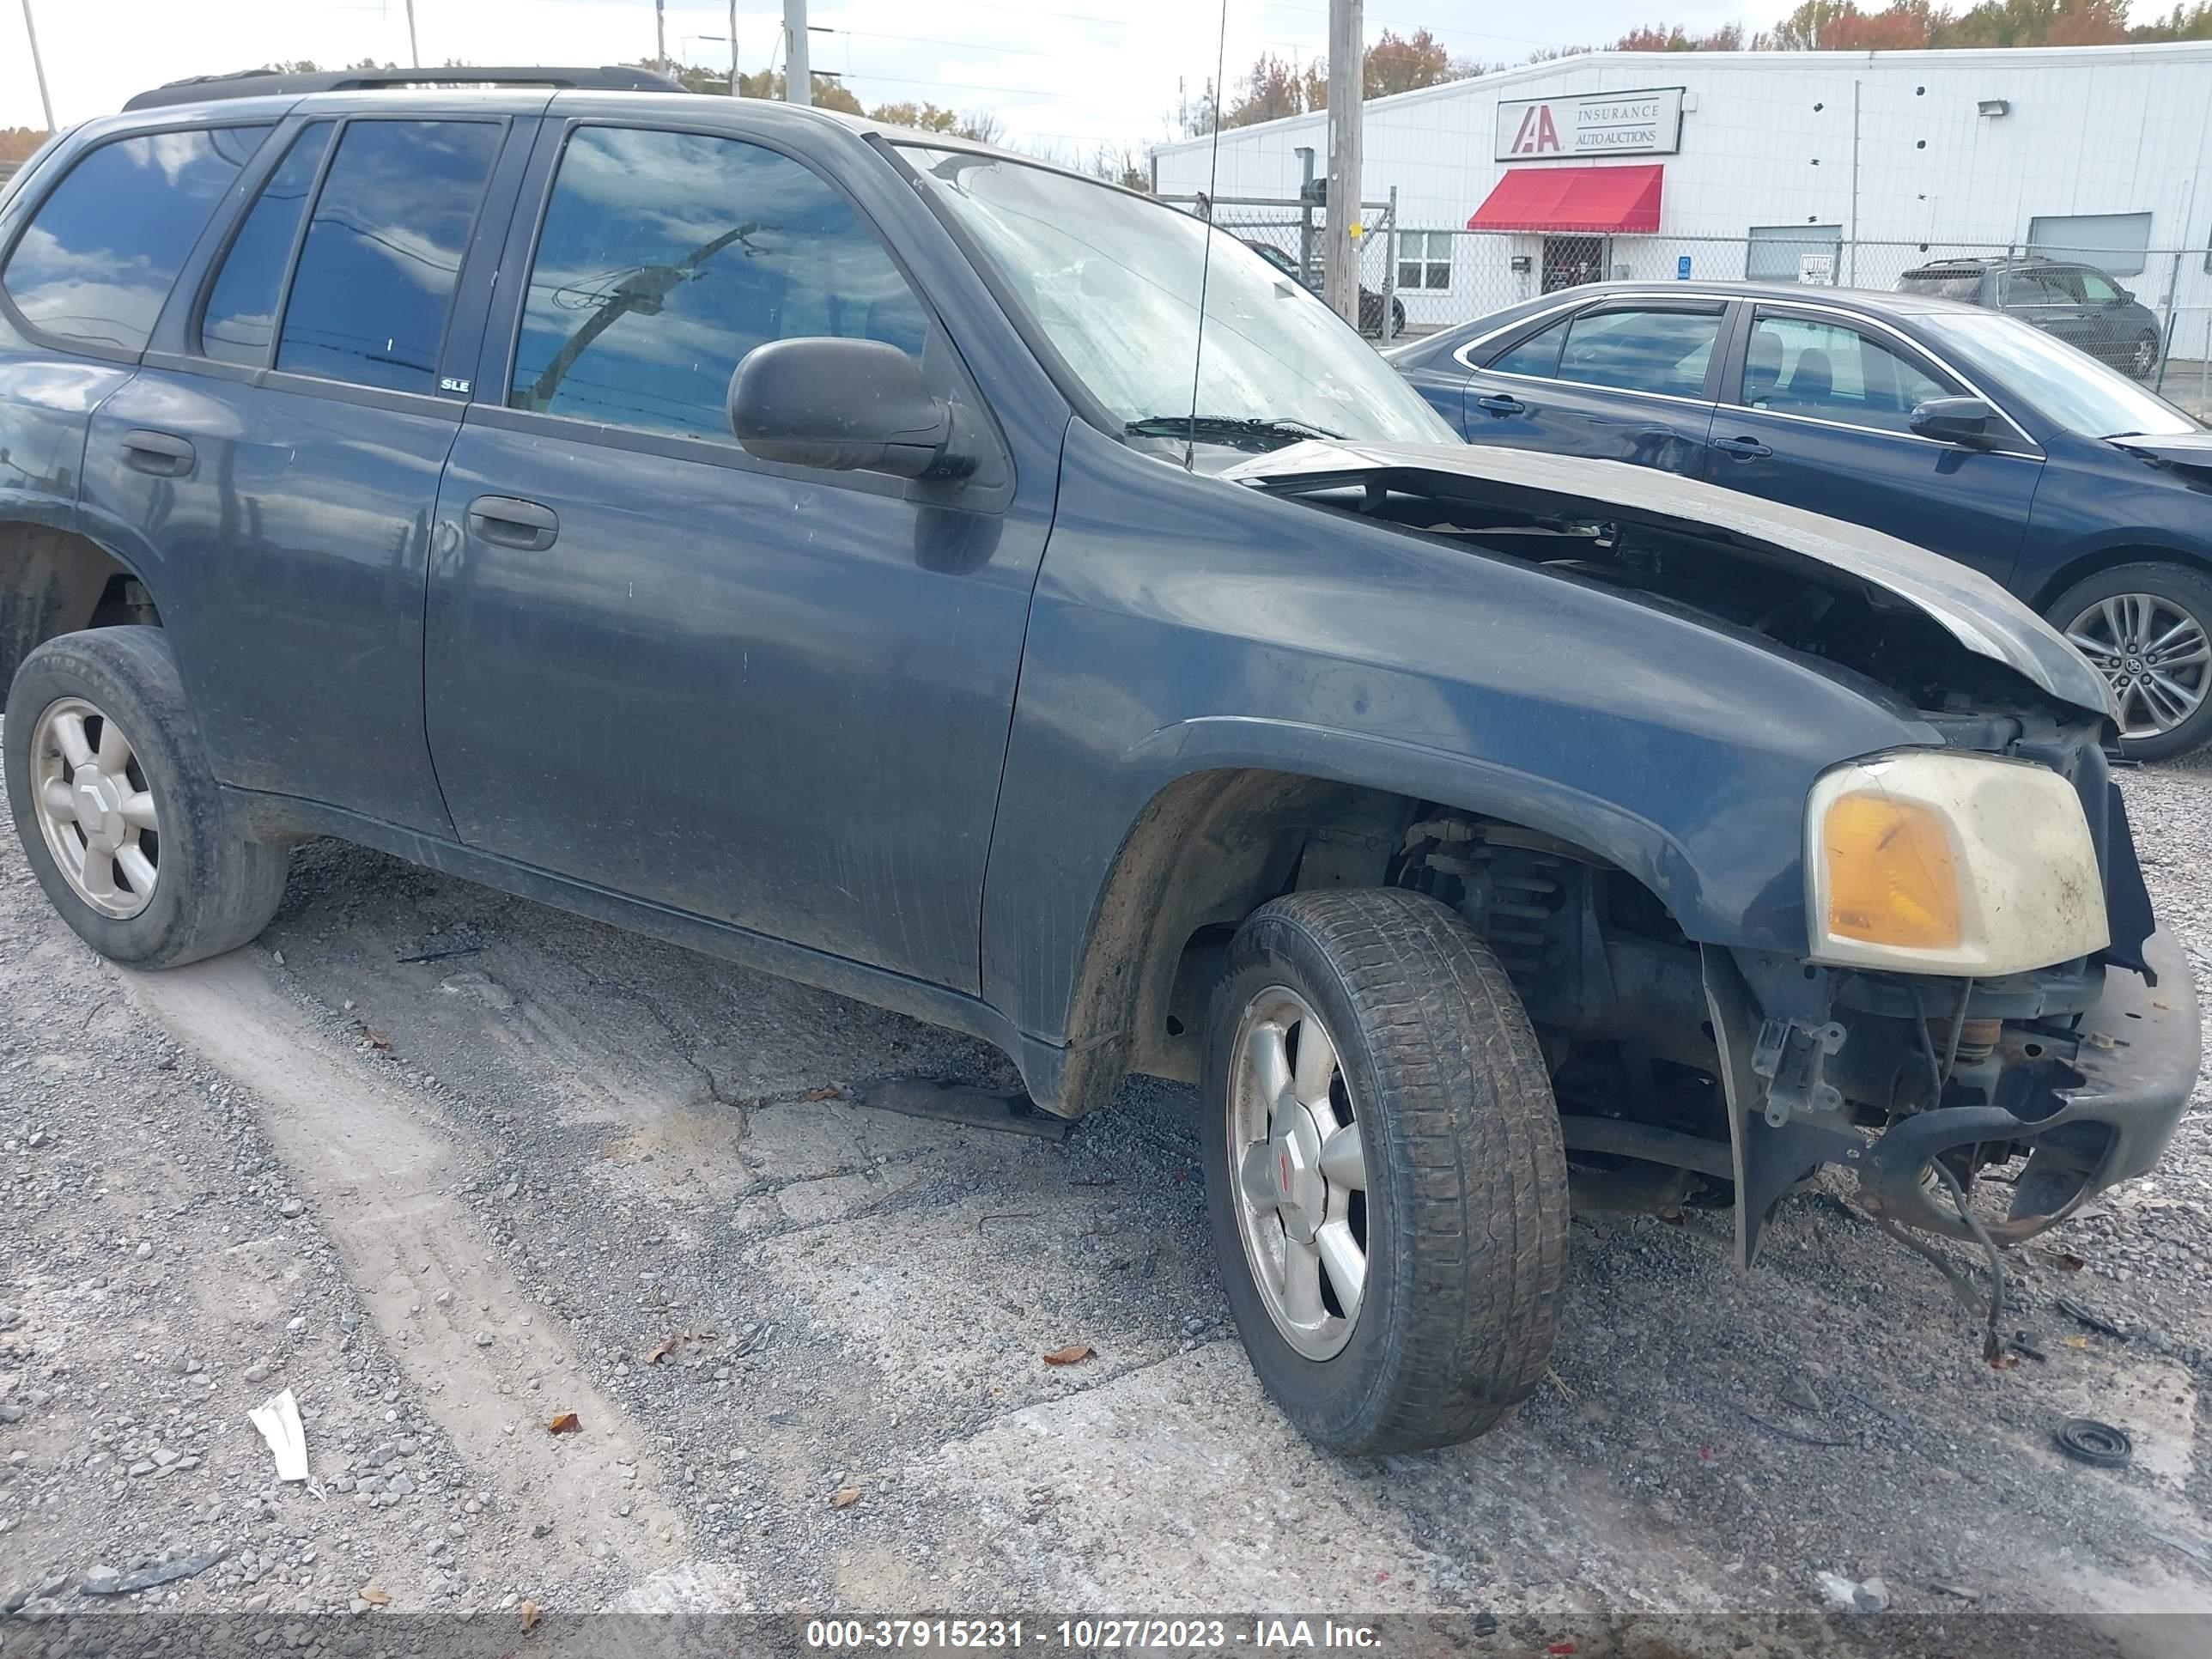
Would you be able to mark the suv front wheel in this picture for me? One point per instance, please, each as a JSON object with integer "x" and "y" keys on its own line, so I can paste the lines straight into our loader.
{"x": 1383, "y": 1171}
{"x": 118, "y": 810}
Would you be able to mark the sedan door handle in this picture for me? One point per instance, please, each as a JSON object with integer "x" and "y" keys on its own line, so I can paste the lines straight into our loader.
{"x": 1498, "y": 403}
{"x": 1744, "y": 449}
{"x": 512, "y": 522}
{"x": 157, "y": 452}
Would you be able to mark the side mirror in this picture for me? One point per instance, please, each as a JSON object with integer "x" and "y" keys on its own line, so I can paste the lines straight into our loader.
{"x": 1954, "y": 420}
{"x": 847, "y": 406}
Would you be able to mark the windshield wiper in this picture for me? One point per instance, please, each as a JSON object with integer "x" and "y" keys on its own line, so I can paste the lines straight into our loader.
{"x": 1236, "y": 431}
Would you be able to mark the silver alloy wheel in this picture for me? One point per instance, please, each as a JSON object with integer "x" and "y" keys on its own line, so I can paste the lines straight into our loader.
{"x": 2145, "y": 358}
{"x": 1294, "y": 1141}
{"x": 2157, "y": 656}
{"x": 89, "y": 792}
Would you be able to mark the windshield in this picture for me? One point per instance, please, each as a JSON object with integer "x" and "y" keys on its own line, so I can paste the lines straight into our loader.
{"x": 1112, "y": 280}
{"x": 2070, "y": 386}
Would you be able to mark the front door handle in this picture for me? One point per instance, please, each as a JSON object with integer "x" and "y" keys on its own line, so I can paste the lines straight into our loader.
{"x": 157, "y": 452}
{"x": 510, "y": 521}
{"x": 1744, "y": 449}
{"x": 1499, "y": 403}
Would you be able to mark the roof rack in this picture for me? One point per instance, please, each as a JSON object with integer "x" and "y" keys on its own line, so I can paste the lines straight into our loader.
{"x": 271, "y": 83}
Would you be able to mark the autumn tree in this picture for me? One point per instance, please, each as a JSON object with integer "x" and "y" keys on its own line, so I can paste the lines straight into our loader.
{"x": 1673, "y": 37}
{"x": 16, "y": 143}
{"x": 1395, "y": 64}
{"x": 1273, "y": 90}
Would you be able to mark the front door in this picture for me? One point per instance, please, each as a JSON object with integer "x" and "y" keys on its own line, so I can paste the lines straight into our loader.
{"x": 1817, "y": 415}
{"x": 774, "y": 696}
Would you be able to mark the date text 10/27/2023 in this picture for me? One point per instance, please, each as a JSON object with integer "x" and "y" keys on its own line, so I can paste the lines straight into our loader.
{"x": 1092, "y": 1635}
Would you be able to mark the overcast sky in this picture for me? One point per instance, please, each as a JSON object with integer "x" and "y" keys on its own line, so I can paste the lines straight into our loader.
{"x": 1062, "y": 74}
{"x": 1071, "y": 73}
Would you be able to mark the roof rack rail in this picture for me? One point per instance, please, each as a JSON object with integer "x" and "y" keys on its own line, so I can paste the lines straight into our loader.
{"x": 272, "y": 83}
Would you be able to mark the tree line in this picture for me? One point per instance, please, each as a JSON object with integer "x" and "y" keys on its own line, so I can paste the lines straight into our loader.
{"x": 1274, "y": 87}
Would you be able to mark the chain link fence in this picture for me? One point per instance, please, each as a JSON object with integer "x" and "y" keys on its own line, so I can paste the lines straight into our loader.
{"x": 2148, "y": 313}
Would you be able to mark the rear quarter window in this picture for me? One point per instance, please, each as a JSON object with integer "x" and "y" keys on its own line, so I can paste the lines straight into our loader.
{"x": 95, "y": 263}
{"x": 1966, "y": 287}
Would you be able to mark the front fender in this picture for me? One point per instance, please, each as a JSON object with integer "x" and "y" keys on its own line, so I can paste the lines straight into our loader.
{"x": 1185, "y": 628}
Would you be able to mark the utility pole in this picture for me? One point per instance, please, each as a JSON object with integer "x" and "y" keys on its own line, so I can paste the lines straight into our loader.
{"x": 414, "y": 51}
{"x": 798, "y": 74}
{"x": 38, "y": 66}
{"x": 1339, "y": 249}
{"x": 733, "y": 48}
{"x": 660, "y": 35}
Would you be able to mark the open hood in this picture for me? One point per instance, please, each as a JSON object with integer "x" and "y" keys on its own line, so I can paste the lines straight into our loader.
{"x": 1981, "y": 616}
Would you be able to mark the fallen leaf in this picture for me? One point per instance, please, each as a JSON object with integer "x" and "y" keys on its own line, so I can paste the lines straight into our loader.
{"x": 563, "y": 1423}
{"x": 528, "y": 1612}
{"x": 668, "y": 1347}
{"x": 827, "y": 1091}
{"x": 375, "y": 1594}
{"x": 2077, "y": 1341}
{"x": 1560, "y": 1648}
{"x": 844, "y": 1497}
{"x": 376, "y": 1039}
{"x": 2065, "y": 1260}
{"x": 1073, "y": 1354}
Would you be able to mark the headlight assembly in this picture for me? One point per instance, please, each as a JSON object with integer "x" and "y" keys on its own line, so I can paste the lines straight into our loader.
{"x": 1932, "y": 862}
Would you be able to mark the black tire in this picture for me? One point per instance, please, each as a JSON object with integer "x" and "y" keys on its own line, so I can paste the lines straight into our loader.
{"x": 1466, "y": 1200}
{"x": 216, "y": 889}
{"x": 1397, "y": 321}
{"x": 2188, "y": 590}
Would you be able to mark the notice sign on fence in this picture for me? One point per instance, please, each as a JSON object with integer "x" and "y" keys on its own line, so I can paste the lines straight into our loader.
{"x": 1818, "y": 269}
{"x": 1600, "y": 124}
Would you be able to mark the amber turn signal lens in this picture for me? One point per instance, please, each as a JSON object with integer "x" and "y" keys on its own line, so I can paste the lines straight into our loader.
{"x": 1891, "y": 880}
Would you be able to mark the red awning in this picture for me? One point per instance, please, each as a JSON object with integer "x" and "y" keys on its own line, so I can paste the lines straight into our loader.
{"x": 1614, "y": 199}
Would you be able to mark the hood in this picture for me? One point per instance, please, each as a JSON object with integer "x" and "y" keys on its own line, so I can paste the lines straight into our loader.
{"x": 1973, "y": 610}
{"x": 2193, "y": 449}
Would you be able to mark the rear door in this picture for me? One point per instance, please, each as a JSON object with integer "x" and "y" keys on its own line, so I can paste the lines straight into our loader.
{"x": 1816, "y": 416}
{"x": 772, "y": 696}
{"x": 282, "y": 447}
{"x": 1625, "y": 380}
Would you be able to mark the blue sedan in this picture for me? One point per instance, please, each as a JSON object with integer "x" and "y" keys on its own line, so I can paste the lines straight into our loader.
{"x": 1960, "y": 429}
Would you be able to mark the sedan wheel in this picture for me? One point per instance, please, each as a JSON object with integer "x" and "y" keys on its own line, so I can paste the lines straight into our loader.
{"x": 95, "y": 809}
{"x": 2157, "y": 656}
{"x": 2142, "y": 360}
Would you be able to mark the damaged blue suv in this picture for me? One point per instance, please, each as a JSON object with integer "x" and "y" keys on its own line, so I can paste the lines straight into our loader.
{"x": 843, "y": 551}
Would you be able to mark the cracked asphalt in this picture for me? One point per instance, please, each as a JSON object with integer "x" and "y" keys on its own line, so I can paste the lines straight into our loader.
{"x": 449, "y": 1164}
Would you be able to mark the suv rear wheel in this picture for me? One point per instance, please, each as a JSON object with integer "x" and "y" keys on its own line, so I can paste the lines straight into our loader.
{"x": 2148, "y": 630}
{"x": 1383, "y": 1171}
{"x": 117, "y": 809}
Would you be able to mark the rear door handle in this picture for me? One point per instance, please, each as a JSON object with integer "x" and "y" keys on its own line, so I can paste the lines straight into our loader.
{"x": 157, "y": 452}
{"x": 1498, "y": 403}
{"x": 512, "y": 522}
{"x": 1744, "y": 449}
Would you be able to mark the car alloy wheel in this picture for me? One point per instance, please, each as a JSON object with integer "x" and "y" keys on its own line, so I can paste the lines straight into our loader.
{"x": 1301, "y": 1173}
{"x": 94, "y": 808}
{"x": 2143, "y": 361}
{"x": 2156, "y": 655}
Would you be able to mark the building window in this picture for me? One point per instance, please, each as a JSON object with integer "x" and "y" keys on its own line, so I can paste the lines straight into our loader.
{"x": 1776, "y": 253}
{"x": 2113, "y": 242}
{"x": 1425, "y": 258}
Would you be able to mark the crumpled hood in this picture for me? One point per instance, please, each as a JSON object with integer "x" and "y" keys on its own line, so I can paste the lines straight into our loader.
{"x": 1977, "y": 612}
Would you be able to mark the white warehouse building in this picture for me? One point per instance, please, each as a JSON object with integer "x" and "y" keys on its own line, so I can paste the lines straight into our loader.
{"x": 1851, "y": 168}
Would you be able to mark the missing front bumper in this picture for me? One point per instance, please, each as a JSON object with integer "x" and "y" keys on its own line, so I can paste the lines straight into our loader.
{"x": 2097, "y": 1115}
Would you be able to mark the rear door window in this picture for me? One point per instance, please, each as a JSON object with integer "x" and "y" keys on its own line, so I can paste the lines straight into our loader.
{"x": 1639, "y": 350}
{"x": 242, "y": 310}
{"x": 665, "y": 257}
{"x": 382, "y": 252}
{"x": 95, "y": 264}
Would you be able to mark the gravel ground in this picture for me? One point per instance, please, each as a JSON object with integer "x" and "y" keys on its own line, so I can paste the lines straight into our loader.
{"x": 447, "y": 1164}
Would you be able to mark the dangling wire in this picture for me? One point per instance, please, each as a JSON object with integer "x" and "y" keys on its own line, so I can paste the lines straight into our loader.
{"x": 1206, "y": 255}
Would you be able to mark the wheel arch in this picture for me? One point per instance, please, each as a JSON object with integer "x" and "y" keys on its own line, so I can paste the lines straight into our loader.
{"x": 2110, "y": 557}
{"x": 55, "y": 581}
{"x": 1216, "y": 842}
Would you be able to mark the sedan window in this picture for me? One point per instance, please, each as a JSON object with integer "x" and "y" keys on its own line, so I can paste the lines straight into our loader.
{"x": 1830, "y": 372}
{"x": 1661, "y": 351}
